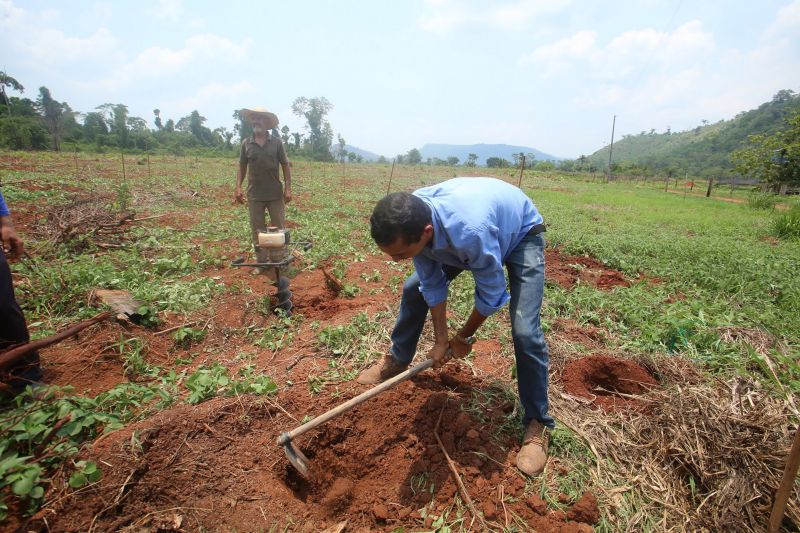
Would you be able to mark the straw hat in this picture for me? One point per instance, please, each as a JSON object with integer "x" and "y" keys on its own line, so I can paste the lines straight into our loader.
{"x": 272, "y": 118}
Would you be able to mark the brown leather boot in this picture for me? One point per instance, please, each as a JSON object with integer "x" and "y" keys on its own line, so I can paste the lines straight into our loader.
{"x": 532, "y": 457}
{"x": 381, "y": 371}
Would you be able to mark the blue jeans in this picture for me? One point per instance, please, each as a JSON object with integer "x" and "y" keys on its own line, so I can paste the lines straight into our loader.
{"x": 525, "y": 267}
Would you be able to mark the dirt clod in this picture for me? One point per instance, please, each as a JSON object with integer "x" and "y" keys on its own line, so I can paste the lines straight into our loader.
{"x": 585, "y": 509}
{"x": 380, "y": 511}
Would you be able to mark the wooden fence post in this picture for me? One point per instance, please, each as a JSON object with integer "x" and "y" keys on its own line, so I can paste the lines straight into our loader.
{"x": 391, "y": 173}
{"x": 122, "y": 153}
{"x": 710, "y": 184}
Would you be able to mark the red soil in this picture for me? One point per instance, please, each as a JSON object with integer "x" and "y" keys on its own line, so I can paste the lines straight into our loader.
{"x": 609, "y": 383}
{"x": 217, "y": 466}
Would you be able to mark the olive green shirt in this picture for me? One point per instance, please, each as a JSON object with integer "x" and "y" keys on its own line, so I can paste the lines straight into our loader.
{"x": 263, "y": 168}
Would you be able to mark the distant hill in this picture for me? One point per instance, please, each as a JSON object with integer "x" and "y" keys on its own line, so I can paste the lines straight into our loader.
{"x": 483, "y": 151}
{"x": 368, "y": 156}
{"x": 704, "y": 150}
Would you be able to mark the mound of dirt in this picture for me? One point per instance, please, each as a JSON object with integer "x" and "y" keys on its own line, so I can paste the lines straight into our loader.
{"x": 567, "y": 270}
{"x": 216, "y": 466}
{"x": 610, "y": 383}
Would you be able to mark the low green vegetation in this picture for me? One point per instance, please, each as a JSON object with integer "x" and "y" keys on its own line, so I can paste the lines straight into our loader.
{"x": 715, "y": 281}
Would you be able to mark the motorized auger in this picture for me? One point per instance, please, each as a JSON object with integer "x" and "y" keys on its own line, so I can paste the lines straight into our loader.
{"x": 277, "y": 248}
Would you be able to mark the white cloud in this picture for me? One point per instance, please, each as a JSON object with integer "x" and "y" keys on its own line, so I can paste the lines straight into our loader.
{"x": 10, "y": 14}
{"x": 559, "y": 56}
{"x": 629, "y": 53}
{"x": 157, "y": 62}
{"x": 169, "y": 10}
{"x": 787, "y": 21}
{"x": 173, "y": 11}
{"x": 443, "y": 16}
{"x": 43, "y": 45}
{"x": 51, "y": 46}
{"x": 101, "y": 12}
{"x": 213, "y": 95}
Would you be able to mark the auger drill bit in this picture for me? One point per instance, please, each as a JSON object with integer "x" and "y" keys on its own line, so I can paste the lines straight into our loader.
{"x": 284, "y": 295}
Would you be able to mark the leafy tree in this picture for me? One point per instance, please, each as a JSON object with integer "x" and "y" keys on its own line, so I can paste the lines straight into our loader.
{"x": 93, "y": 125}
{"x": 285, "y": 135}
{"x": 413, "y": 157}
{"x": 497, "y": 162}
{"x": 8, "y": 81}
{"x": 241, "y": 128}
{"x": 54, "y": 114}
{"x": 352, "y": 156}
{"x": 341, "y": 151}
{"x": 773, "y": 158}
{"x": 471, "y": 160}
{"x": 223, "y": 137}
{"x": 157, "y": 113}
{"x": 169, "y": 126}
{"x": 136, "y": 124}
{"x": 19, "y": 132}
{"x": 196, "y": 128}
{"x": 320, "y": 134}
{"x": 452, "y": 161}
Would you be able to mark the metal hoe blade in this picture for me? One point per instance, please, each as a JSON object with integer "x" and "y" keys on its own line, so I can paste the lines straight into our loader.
{"x": 295, "y": 456}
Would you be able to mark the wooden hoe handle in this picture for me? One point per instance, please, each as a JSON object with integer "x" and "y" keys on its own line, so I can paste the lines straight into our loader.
{"x": 787, "y": 484}
{"x": 285, "y": 438}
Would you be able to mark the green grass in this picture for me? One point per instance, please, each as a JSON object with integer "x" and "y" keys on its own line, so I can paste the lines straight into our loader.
{"x": 704, "y": 265}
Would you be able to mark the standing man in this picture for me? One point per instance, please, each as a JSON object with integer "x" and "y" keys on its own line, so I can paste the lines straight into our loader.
{"x": 13, "y": 329}
{"x": 480, "y": 225}
{"x": 258, "y": 161}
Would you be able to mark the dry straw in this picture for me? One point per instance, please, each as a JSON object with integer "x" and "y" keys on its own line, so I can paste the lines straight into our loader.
{"x": 704, "y": 456}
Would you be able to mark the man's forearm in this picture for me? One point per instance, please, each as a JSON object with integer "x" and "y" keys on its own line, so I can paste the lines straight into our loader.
{"x": 474, "y": 321}
{"x": 439, "y": 318}
{"x": 240, "y": 175}
{"x": 287, "y": 175}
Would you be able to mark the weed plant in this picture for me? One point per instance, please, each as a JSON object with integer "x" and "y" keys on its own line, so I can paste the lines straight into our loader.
{"x": 787, "y": 225}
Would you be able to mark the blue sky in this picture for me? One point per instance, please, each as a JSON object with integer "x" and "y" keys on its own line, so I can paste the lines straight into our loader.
{"x": 545, "y": 74}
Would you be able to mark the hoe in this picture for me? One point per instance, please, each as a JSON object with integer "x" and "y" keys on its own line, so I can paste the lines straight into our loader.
{"x": 298, "y": 458}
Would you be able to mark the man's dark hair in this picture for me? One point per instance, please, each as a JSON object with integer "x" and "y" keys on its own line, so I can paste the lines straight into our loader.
{"x": 399, "y": 214}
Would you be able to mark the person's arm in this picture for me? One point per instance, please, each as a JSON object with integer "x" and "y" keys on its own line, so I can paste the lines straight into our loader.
{"x": 458, "y": 344}
{"x": 287, "y": 182}
{"x": 287, "y": 172}
{"x": 440, "y": 353}
{"x": 486, "y": 264}
{"x": 13, "y": 246}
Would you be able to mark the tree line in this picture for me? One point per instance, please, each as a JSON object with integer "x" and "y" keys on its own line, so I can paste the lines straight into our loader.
{"x": 46, "y": 123}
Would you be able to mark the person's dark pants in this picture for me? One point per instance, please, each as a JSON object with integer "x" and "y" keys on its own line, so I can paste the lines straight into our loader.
{"x": 525, "y": 267}
{"x": 13, "y": 330}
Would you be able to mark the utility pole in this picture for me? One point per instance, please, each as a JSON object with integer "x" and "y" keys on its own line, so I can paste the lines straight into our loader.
{"x": 611, "y": 148}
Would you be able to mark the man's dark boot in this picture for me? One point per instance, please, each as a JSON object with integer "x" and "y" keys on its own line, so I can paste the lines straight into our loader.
{"x": 532, "y": 457}
{"x": 381, "y": 371}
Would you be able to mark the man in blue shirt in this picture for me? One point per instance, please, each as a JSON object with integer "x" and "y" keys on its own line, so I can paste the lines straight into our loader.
{"x": 480, "y": 225}
{"x": 13, "y": 329}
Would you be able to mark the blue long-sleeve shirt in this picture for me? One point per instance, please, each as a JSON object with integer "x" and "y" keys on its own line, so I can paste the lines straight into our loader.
{"x": 477, "y": 223}
{"x": 4, "y": 212}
